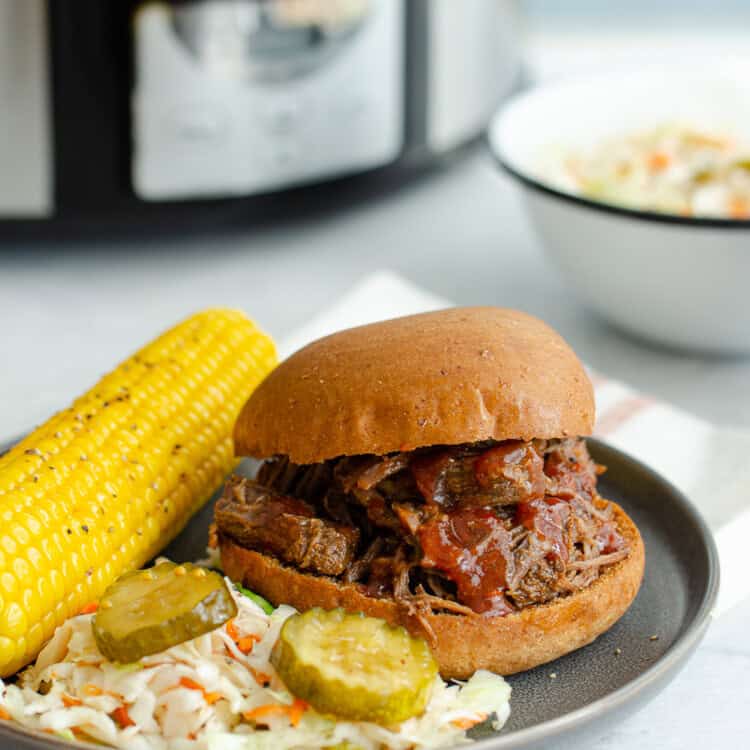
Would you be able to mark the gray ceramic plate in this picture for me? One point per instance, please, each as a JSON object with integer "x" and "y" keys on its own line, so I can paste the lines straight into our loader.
{"x": 619, "y": 672}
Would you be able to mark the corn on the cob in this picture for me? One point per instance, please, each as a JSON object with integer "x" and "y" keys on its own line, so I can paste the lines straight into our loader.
{"x": 104, "y": 485}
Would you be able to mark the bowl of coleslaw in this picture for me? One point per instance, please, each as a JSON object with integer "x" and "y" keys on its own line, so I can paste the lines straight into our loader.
{"x": 637, "y": 184}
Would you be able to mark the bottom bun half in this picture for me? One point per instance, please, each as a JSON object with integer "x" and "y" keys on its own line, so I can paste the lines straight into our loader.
{"x": 463, "y": 644}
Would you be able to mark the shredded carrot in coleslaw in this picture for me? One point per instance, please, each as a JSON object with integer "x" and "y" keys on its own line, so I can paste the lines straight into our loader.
{"x": 293, "y": 712}
{"x": 469, "y": 721}
{"x": 246, "y": 644}
{"x": 231, "y": 629}
{"x": 209, "y": 697}
{"x": 122, "y": 717}
{"x": 296, "y": 710}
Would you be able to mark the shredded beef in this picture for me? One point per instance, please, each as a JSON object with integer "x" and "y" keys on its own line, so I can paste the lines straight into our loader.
{"x": 284, "y": 526}
{"x": 378, "y": 470}
{"x": 486, "y": 528}
{"x": 505, "y": 474}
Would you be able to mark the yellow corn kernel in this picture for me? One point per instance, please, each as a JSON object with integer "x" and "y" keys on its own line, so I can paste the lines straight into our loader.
{"x": 107, "y": 483}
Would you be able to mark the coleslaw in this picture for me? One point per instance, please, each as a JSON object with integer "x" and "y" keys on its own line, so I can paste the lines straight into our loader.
{"x": 672, "y": 168}
{"x": 218, "y": 691}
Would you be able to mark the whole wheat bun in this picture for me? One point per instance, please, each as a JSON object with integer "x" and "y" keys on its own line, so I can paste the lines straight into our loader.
{"x": 463, "y": 644}
{"x": 455, "y": 376}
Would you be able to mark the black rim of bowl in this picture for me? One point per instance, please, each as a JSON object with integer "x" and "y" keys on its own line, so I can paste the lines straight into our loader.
{"x": 611, "y": 208}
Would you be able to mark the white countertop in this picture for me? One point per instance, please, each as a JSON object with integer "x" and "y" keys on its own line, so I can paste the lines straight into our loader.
{"x": 70, "y": 313}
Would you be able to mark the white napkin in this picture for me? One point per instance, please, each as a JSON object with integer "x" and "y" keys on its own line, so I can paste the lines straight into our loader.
{"x": 694, "y": 455}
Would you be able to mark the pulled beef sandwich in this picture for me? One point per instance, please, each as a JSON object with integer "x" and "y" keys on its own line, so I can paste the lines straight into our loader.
{"x": 430, "y": 470}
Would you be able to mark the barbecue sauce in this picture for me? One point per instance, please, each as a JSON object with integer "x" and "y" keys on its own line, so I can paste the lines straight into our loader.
{"x": 513, "y": 460}
{"x": 472, "y": 548}
{"x": 547, "y": 518}
{"x": 571, "y": 470}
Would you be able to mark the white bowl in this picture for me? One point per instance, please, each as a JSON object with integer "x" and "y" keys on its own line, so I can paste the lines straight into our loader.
{"x": 675, "y": 280}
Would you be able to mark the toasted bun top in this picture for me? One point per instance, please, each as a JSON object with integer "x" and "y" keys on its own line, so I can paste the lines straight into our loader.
{"x": 454, "y": 376}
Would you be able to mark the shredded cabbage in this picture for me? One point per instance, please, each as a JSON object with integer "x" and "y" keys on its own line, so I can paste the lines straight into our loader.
{"x": 671, "y": 168}
{"x": 193, "y": 696}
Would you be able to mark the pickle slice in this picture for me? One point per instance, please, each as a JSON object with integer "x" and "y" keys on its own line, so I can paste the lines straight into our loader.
{"x": 148, "y": 611}
{"x": 355, "y": 667}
